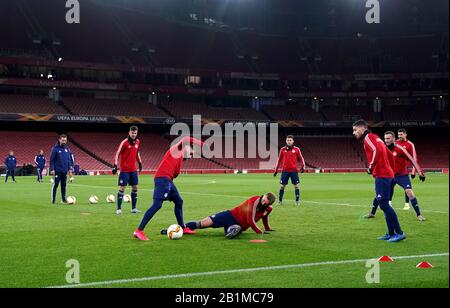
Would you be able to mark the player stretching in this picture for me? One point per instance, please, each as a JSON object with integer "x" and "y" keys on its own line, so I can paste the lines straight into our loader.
{"x": 289, "y": 158}
{"x": 128, "y": 152}
{"x": 402, "y": 160}
{"x": 411, "y": 149}
{"x": 165, "y": 189}
{"x": 380, "y": 161}
{"x": 241, "y": 217}
{"x": 40, "y": 161}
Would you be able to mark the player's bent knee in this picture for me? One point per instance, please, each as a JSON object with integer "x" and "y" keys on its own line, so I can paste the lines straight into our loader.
{"x": 157, "y": 204}
{"x": 206, "y": 223}
{"x": 179, "y": 203}
{"x": 410, "y": 193}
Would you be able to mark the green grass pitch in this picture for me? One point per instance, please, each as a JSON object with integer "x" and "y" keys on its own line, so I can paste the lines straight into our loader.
{"x": 37, "y": 238}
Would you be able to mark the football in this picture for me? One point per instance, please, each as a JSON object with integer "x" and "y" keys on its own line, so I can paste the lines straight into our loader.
{"x": 174, "y": 232}
{"x": 127, "y": 198}
{"x": 110, "y": 199}
{"x": 71, "y": 200}
{"x": 93, "y": 199}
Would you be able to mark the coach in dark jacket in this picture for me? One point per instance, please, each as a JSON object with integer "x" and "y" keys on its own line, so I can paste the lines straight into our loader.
{"x": 60, "y": 165}
{"x": 11, "y": 164}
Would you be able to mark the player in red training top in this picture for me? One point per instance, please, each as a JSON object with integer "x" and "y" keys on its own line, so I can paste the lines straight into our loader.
{"x": 404, "y": 142}
{"x": 128, "y": 152}
{"x": 165, "y": 189}
{"x": 402, "y": 160}
{"x": 241, "y": 217}
{"x": 380, "y": 161}
{"x": 289, "y": 158}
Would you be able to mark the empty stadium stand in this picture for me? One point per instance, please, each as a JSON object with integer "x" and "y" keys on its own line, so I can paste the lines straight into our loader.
{"x": 91, "y": 106}
{"x": 331, "y": 152}
{"x": 187, "y": 109}
{"x": 410, "y": 113}
{"x": 10, "y": 103}
{"x": 14, "y": 103}
{"x": 153, "y": 148}
{"x": 343, "y": 113}
{"x": 27, "y": 145}
{"x": 292, "y": 113}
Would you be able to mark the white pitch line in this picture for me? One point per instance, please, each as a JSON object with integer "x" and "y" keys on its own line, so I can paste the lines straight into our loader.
{"x": 234, "y": 196}
{"x": 364, "y": 206}
{"x": 244, "y": 270}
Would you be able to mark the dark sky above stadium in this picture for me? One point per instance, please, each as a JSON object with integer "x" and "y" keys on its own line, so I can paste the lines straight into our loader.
{"x": 304, "y": 17}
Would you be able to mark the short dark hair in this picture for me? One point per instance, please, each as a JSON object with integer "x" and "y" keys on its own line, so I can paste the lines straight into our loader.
{"x": 133, "y": 128}
{"x": 360, "y": 123}
{"x": 402, "y": 130}
{"x": 290, "y": 136}
{"x": 271, "y": 197}
{"x": 62, "y": 136}
{"x": 389, "y": 132}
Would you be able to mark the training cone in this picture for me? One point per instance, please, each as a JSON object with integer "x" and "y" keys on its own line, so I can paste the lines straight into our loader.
{"x": 258, "y": 241}
{"x": 385, "y": 259}
{"x": 424, "y": 264}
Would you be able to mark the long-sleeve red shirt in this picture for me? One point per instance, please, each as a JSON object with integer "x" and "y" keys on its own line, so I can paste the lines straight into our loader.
{"x": 411, "y": 149}
{"x": 288, "y": 159}
{"x": 170, "y": 165}
{"x": 247, "y": 215}
{"x": 380, "y": 159}
{"x": 402, "y": 160}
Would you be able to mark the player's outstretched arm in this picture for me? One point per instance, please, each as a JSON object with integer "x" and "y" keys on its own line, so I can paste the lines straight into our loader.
{"x": 265, "y": 220}
{"x": 116, "y": 156}
{"x": 371, "y": 153}
{"x": 280, "y": 159}
{"x": 190, "y": 140}
{"x": 139, "y": 161}
{"x": 413, "y": 153}
{"x": 301, "y": 160}
{"x": 414, "y": 163}
{"x": 251, "y": 218}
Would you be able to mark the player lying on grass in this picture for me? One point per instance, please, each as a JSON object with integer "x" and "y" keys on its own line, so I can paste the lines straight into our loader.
{"x": 241, "y": 217}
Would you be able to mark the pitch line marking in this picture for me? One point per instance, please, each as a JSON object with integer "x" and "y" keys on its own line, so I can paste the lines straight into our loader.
{"x": 244, "y": 270}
